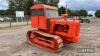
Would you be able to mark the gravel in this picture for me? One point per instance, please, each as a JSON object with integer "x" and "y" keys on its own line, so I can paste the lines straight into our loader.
{"x": 13, "y": 42}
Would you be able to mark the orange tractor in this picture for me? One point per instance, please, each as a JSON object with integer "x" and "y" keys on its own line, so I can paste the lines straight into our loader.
{"x": 50, "y": 31}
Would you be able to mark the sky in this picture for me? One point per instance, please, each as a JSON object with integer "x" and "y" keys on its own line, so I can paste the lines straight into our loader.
{"x": 90, "y": 5}
{"x": 81, "y": 4}
{"x": 3, "y": 4}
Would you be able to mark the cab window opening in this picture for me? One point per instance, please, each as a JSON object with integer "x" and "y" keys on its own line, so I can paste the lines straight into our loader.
{"x": 39, "y": 12}
{"x": 51, "y": 13}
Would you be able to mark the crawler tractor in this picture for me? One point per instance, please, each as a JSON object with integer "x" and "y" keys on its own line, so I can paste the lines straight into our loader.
{"x": 50, "y": 32}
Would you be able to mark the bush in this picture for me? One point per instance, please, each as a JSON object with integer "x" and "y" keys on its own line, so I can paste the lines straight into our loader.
{"x": 97, "y": 14}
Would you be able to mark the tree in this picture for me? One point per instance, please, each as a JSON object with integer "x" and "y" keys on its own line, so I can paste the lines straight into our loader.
{"x": 54, "y": 3}
{"x": 97, "y": 13}
{"x": 24, "y": 5}
{"x": 20, "y": 5}
{"x": 62, "y": 10}
{"x": 69, "y": 12}
{"x": 82, "y": 13}
{"x": 90, "y": 15}
{"x": 48, "y": 2}
{"x": 3, "y": 12}
{"x": 27, "y": 5}
{"x": 11, "y": 9}
{"x": 77, "y": 12}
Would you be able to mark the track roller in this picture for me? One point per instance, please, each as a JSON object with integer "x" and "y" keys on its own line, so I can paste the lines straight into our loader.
{"x": 52, "y": 43}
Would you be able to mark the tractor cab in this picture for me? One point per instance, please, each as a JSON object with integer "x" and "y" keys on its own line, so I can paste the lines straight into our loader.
{"x": 40, "y": 14}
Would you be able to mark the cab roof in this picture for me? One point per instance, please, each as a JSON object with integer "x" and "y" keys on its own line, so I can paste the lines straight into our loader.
{"x": 42, "y": 6}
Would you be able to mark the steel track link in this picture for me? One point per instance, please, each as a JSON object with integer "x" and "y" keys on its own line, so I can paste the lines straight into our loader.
{"x": 42, "y": 46}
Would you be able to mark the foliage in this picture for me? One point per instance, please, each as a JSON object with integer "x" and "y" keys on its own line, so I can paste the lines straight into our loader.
{"x": 24, "y": 5}
{"x": 19, "y": 5}
{"x": 90, "y": 15}
{"x": 48, "y": 2}
{"x": 27, "y": 5}
{"x": 62, "y": 10}
{"x": 69, "y": 12}
{"x": 82, "y": 13}
{"x": 3, "y": 12}
{"x": 77, "y": 12}
{"x": 97, "y": 14}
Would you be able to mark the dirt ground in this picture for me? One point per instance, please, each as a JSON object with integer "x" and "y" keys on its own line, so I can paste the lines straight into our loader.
{"x": 13, "y": 42}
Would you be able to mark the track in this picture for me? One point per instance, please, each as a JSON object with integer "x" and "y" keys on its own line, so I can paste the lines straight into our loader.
{"x": 52, "y": 43}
